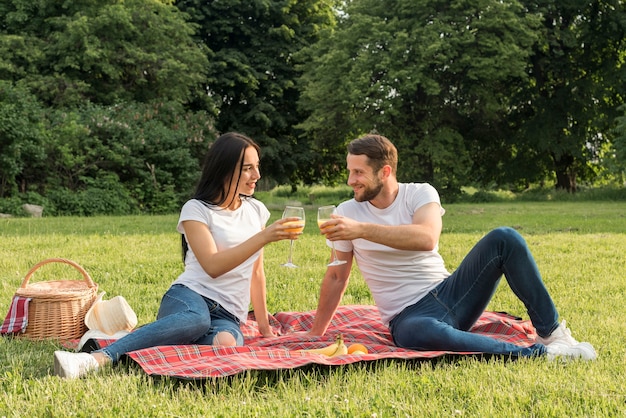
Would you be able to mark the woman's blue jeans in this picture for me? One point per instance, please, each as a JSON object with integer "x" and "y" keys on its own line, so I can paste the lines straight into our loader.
{"x": 441, "y": 320}
{"x": 185, "y": 317}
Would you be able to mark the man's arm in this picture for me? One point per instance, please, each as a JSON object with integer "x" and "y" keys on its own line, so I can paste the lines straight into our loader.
{"x": 421, "y": 235}
{"x": 333, "y": 286}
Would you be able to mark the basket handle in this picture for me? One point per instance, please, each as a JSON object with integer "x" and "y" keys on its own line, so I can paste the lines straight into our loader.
{"x": 88, "y": 280}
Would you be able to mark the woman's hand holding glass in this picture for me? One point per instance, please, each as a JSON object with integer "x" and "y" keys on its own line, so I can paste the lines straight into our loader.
{"x": 324, "y": 215}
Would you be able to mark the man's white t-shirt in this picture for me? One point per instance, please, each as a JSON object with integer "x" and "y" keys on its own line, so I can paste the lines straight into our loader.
{"x": 396, "y": 278}
{"x": 228, "y": 228}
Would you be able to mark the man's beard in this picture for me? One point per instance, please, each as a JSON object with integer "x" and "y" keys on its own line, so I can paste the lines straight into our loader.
{"x": 369, "y": 193}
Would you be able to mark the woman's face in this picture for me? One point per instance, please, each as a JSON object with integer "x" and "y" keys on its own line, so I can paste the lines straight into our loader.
{"x": 250, "y": 173}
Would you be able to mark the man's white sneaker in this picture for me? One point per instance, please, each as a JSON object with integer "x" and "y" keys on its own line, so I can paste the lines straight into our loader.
{"x": 73, "y": 365}
{"x": 561, "y": 335}
{"x": 583, "y": 351}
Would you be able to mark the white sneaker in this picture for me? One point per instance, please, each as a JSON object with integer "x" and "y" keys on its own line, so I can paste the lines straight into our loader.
{"x": 561, "y": 335}
{"x": 583, "y": 351}
{"x": 73, "y": 365}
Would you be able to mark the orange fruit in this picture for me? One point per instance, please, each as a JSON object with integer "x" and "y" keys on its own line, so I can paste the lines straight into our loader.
{"x": 357, "y": 347}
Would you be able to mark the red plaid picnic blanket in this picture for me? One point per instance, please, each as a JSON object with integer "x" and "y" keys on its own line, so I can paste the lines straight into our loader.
{"x": 357, "y": 324}
{"x": 16, "y": 319}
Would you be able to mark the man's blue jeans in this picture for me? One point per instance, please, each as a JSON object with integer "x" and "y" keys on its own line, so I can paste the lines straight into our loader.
{"x": 441, "y": 319}
{"x": 184, "y": 317}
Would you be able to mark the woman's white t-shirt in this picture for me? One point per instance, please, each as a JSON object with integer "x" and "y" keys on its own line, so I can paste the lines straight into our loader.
{"x": 228, "y": 228}
{"x": 396, "y": 278}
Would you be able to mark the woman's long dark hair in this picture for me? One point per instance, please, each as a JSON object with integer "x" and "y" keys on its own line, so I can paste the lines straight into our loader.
{"x": 224, "y": 157}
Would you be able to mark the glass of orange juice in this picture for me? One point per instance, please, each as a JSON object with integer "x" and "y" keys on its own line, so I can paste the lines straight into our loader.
{"x": 296, "y": 226}
{"x": 323, "y": 215}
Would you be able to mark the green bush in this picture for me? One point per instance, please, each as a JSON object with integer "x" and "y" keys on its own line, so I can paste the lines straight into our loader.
{"x": 102, "y": 196}
{"x": 483, "y": 196}
{"x": 11, "y": 206}
{"x": 123, "y": 159}
{"x": 317, "y": 195}
{"x": 163, "y": 201}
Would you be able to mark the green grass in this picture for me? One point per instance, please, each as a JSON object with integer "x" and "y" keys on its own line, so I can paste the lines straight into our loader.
{"x": 579, "y": 247}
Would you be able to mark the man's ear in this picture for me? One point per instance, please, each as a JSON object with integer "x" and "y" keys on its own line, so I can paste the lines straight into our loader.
{"x": 385, "y": 171}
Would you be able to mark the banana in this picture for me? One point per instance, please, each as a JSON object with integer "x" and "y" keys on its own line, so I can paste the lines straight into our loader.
{"x": 342, "y": 348}
{"x": 327, "y": 351}
{"x": 335, "y": 349}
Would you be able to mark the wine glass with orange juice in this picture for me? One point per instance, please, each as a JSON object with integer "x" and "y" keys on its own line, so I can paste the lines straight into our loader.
{"x": 324, "y": 215}
{"x": 295, "y": 227}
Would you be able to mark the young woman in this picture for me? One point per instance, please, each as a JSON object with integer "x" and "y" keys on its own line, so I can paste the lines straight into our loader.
{"x": 224, "y": 233}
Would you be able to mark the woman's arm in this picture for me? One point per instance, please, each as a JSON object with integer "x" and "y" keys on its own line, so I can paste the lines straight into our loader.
{"x": 217, "y": 263}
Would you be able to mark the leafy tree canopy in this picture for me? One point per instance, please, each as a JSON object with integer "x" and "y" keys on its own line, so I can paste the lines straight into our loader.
{"x": 430, "y": 75}
{"x": 252, "y": 73}
{"x": 105, "y": 51}
{"x": 502, "y": 92}
{"x": 578, "y": 78}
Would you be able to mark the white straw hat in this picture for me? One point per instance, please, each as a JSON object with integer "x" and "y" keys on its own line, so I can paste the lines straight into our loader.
{"x": 111, "y": 316}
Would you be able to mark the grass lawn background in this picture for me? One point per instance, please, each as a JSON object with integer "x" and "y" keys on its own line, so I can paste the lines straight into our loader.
{"x": 579, "y": 247}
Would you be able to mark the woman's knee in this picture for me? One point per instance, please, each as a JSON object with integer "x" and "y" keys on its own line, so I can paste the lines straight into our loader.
{"x": 224, "y": 339}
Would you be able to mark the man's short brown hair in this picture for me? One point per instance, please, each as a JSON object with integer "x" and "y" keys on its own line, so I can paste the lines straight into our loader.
{"x": 378, "y": 149}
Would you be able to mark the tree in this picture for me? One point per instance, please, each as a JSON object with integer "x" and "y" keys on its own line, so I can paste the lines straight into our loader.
{"x": 578, "y": 79}
{"x": 104, "y": 52}
{"x": 98, "y": 90}
{"x": 22, "y": 135}
{"x": 434, "y": 76}
{"x": 252, "y": 72}
{"x": 619, "y": 150}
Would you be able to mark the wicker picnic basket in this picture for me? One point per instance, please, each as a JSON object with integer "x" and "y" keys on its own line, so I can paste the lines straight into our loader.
{"x": 57, "y": 308}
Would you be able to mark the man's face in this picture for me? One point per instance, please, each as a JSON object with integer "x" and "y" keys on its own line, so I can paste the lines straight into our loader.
{"x": 361, "y": 177}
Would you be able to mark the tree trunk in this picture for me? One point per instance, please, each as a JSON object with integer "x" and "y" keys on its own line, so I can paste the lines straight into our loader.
{"x": 565, "y": 173}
